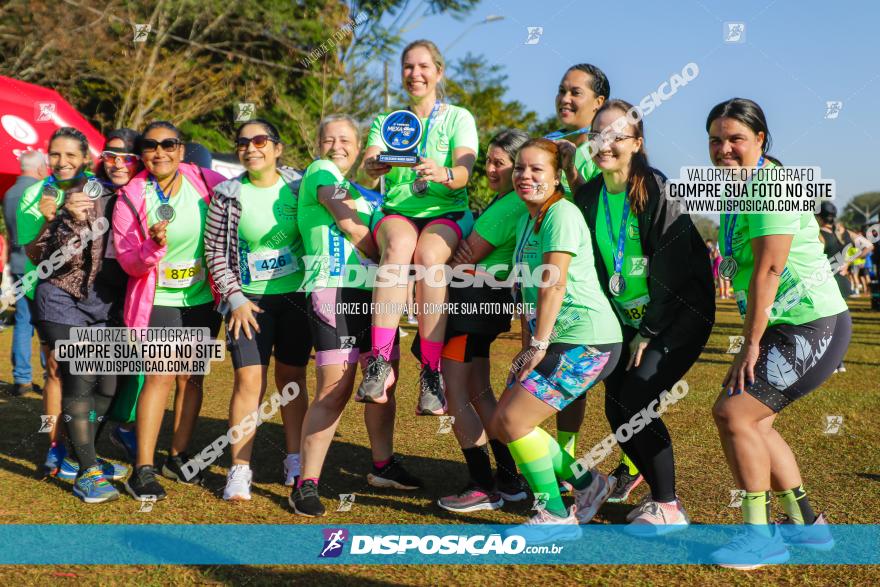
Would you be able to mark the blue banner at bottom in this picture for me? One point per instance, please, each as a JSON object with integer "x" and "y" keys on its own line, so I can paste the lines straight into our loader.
{"x": 231, "y": 544}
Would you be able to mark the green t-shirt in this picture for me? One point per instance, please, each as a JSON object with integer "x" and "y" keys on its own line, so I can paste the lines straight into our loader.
{"x": 29, "y": 220}
{"x": 331, "y": 259}
{"x": 183, "y": 278}
{"x": 585, "y": 166}
{"x": 630, "y": 304}
{"x": 586, "y": 316}
{"x": 806, "y": 291}
{"x": 269, "y": 243}
{"x": 453, "y": 128}
{"x": 497, "y": 225}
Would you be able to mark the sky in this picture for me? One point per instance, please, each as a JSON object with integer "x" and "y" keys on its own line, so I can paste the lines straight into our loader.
{"x": 794, "y": 57}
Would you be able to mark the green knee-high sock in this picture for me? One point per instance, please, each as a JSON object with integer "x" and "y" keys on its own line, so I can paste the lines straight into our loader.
{"x": 562, "y": 461}
{"x": 568, "y": 441}
{"x": 631, "y": 466}
{"x": 796, "y": 505}
{"x": 756, "y": 508}
{"x": 531, "y": 455}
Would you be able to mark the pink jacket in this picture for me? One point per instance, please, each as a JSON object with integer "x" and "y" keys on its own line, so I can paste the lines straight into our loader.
{"x": 137, "y": 253}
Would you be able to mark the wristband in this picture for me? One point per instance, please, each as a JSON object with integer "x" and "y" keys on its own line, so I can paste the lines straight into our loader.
{"x": 541, "y": 345}
{"x": 449, "y": 176}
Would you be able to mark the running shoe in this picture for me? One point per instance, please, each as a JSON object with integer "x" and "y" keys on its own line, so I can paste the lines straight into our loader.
{"x": 816, "y": 536}
{"x": 658, "y": 519}
{"x": 126, "y": 440}
{"x": 305, "y": 501}
{"x": 378, "y": 379}
{"x": 70, "y": 469}
{"x": 93, "y": 487}
{"x": 432, "y": 401}
{"x": 394, "y": 475}
{"x": 636, "y": 511}
{"x": 291, "y": 470}
{"x": 545, "y": 527}
{"x": 471, "y": 499}
{"x": 238, "y": 483}
{"x": 54, "y": 458}
{"x": 590, "y": 499}
{"x": 752, "y": 549}
{"x": 625, "y": 484}
{"x": 512, "y": 490}
{"x": 173, "y": 468}
{"x": 143, "y": 486}
{"x": 565, "y": 487}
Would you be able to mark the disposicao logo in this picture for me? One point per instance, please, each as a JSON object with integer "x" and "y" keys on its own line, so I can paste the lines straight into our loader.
{"x": 333, "y": 541}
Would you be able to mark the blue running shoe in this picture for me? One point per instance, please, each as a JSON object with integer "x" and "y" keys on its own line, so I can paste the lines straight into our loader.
{"x": 54, "y": 458}
{"x": 126, "y": 440}
{"x": 70, "y": 469}
{"x": 92, "y": 487}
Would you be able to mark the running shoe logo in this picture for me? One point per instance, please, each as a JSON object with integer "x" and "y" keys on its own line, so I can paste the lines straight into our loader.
{"x": 333, "y": 541}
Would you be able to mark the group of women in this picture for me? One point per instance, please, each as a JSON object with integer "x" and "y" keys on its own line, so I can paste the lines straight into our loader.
{"x": 626, "y": 296}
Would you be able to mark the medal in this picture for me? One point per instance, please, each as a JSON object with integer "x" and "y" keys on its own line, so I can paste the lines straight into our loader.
{"x": 419, "y": 187}
{"x": 561, "y": 134}
{"x": 617, "y": 284}
{"x": 165, "y": 212}
{"x": 728, "y": 267}
{"x": 93, "y": 189}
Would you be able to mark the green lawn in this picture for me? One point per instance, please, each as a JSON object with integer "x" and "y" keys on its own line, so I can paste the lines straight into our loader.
{"x": 842, "y": 475}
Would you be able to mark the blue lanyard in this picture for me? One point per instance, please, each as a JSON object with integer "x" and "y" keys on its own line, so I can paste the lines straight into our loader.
{"x": 560, "y": 134}
{"x": 424, "y": 146}
{"x": 374, "y": 198}
{"x": 52, "y": 181}
{"x": 730, "y": 221}
{"x": 621, "y": 238}
{"x": 522, "y": 245}
{"x": 159, "y": 193}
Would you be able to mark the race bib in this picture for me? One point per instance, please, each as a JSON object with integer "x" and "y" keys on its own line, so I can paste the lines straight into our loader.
{"x": 633, "y": 311}
{"x": 181, "y": 275}
{"x": 271, "y": 264}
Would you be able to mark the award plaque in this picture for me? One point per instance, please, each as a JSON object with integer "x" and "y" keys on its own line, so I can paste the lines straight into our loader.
{"x": 401, "y": 133}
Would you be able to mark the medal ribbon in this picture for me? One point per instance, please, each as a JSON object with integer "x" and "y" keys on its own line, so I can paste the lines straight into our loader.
{"x": 521, "y": 248}
{"x": 561, "y": 134}
{"x": 730, "y": 221}
{"x": 159, "y": 193}
{"x": 423, "y": 147}
{"x": 618, "y": 257}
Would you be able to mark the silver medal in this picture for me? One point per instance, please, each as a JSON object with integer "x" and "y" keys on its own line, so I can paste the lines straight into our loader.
{"x": 419, "y": 186}
{"x": 165, "y": 212}
{"x": 728, "y": 267}
{"x": 617, "y": 284}
{"x": 93, "y": 189}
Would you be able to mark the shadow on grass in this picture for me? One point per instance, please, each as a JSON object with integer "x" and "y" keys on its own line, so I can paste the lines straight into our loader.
{"x": 241, "y": 575}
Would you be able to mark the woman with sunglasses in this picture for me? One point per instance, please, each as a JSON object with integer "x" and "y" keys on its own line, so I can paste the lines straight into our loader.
{"x": 654, "y": 267}
{"x": 158, "y": 229}
{"x": 254, "y": 253}
{"x": 119, "y": 163}
{"x": 424, "y": 217}
{"x": 795, "y": 336}
{"x": 574, "y": 343}
{"x": 77, "y": 294}
{"x": 466, "y": 369}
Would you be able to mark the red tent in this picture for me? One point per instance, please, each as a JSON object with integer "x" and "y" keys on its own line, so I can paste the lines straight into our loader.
{"x": 29, "y": 114}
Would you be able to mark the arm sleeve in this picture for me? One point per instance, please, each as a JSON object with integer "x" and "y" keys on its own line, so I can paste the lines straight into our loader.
{"x": 217, "y": 243}
{"x": 562, "y": 231}
{"x": 465, "y": 135}
{"x": 374, "y": 138}
{"x": 777, "y": 223}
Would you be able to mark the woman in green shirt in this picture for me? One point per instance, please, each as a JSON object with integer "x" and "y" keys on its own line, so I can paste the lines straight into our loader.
{"x": 424, "y": 217}
{"x": 258, "y": 276}
{"x": 796, "y": 329}
{"x": 575, "y": 342}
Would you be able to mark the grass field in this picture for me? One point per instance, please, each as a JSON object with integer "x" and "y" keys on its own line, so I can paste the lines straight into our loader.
{"x": 842, "y": 475}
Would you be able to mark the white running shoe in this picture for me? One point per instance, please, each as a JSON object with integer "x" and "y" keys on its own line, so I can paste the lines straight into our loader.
{"x": 589, "y": 500}
{"x": 634, "y": 513}
{"x": 238, "y": 483}
{"x": 545, "y": 527}
{"x": 291, "y": 469}
{"x": 658, "y": 519}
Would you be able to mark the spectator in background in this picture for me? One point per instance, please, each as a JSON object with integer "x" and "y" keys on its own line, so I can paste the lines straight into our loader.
{"x": 33, "y": 170}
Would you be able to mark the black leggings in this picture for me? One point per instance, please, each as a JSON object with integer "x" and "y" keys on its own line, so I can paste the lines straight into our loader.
{"x": 85, "y": 399}
{"x": 628, "y": 392}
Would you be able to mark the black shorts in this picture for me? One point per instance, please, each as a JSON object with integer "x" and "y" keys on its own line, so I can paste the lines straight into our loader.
{"x": 482, "y": 310}
{"x": 283, "y": 327}
{"x": 460, "y": 347}
{"x": 341, "y": 321}
{"x": 796, "y": 359}
{"x": 201, "y": 316}
{"x": 461, "y": 222}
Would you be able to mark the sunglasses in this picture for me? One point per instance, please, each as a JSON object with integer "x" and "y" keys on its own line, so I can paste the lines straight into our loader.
{"x": 610, "y": 137}
{"x": 112, "y": 157}
{"x": 150, "y": 145}
{"x": 259, "y": 141}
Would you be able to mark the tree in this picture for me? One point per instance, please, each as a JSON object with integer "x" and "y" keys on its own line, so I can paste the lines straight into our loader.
{"x": 707, "y": 227}
{"x": 861, "y": 210}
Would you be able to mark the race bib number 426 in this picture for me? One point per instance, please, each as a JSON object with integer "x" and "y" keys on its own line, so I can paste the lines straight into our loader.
{"x": 272, "y": 264}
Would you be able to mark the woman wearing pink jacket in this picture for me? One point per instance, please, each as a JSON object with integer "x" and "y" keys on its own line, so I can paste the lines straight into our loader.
{"x": 157, "y": 229}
